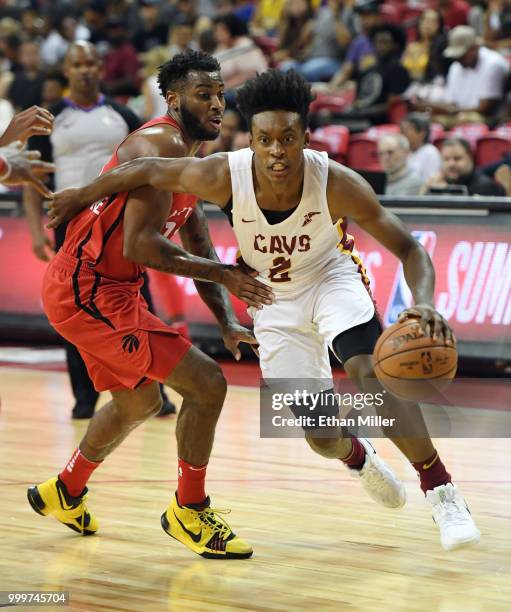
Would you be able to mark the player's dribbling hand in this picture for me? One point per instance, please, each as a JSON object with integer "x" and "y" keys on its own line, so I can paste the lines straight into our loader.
{"x": 431, "y": 321}
{"x": 233, "y": 334}
{"x": 63, "y": 206}
{"x": 247, "y": 288}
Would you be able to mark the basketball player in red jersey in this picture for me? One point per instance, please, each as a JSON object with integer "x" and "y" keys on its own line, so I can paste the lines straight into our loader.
{"x": 91, "y": 295}
{"x": 284, "y": 199}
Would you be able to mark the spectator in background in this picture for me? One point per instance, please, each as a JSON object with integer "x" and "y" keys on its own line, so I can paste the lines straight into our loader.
{"x": 424, "y": 158}
{"x": 94, "y": 19}
{"x": 475, "y": 81}
{"x": 53, "y": 89}
{"x": 152, "y": 32}
{"x": 32, "y": 24}
{"x": 120, "y": 73}
{"x": 361, "y": 54}
{"x": 295, "y": 30}
{"x": 497, "y": 26}
{"x": 402, "y": 180}
{"x": 329, "y": 39}
{"x": 10, "y": 51}
{"x": 423, "y": 58}
{"x": 65, "y": 31}
{"x": 181, "y": 36}
{"x": 267, "y": 17}
{"x": 379, "y": 85}
{"x": 154, "y": 104}
{"x": 458, "y": 169}
{"x": 26, "y": 87}
{"x": 231, "y": 125}
{"x": 199, "y": 12}
{"x": 239, "y": 57}
{"x": 454, "y": 12}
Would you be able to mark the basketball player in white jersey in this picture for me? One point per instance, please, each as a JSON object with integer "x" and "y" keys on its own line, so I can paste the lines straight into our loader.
{"x": 289, "y": 206}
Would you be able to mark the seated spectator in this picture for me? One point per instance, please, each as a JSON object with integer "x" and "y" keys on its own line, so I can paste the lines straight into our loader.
{"x": 454, "y": 12}
{"x": 500, "y": 171}
{"x": 26, "y": 87}
{"x": 361, "y": 55}
{"x": 458, "y": 169}
{"x": 267, "y": 17}
{"x": 152, "y": 32}
{"x": 423, "y": 57}
{"x": 231, "y": 125}
{"x": 64, "y": 32}
{"x": 181, "y": 36}
{"x": 424, "y": 158}
{"x": 295, "y": 31}
{"x": 329, "y": 40}
{"x": 153, "y": 102}
{"x": 393, "y": 151}
{"x": 199, "y": 12}
{"x": 475, "y": 81}
{"x": 53, "y": 89}
{"x": 378, "y": 86}
{"x": 120, "y": 71}
{"x": 240, "y": 58}
{"x": 94, "y": 18}
{"x": 497, "y": 26}
{"x": 10, "y": 52}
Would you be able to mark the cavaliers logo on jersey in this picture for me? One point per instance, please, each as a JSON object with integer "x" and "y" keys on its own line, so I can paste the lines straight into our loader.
{"x": 307, "y": 218}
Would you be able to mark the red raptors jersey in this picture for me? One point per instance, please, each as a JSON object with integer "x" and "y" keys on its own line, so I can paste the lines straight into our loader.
{"x": 96, "y": 235}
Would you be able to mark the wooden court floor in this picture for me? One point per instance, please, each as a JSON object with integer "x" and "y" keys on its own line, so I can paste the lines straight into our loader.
{"x": 320, "y": 543}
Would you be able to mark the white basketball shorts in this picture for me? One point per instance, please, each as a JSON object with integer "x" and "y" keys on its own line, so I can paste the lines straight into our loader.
{"x": 294, "y": 333}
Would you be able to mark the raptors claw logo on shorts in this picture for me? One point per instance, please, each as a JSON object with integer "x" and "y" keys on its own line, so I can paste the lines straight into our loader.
{"x": 130, "y": 343}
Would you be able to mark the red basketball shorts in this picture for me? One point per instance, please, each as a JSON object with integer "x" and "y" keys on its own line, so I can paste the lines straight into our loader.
{"x": 122, "y": 343}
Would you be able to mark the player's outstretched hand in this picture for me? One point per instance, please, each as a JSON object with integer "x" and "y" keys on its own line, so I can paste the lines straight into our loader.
{"x": 26, "y": 167}
{"x": 431, "y": 321}
{"x": 245, "y": 287}
{"x": 233, "y": 334}
{"x": 34, "y": 121}
{"x": 64, "y": 205}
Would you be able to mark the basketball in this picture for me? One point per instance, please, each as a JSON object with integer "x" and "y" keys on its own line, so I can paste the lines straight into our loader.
{"x": 413, "y": 366}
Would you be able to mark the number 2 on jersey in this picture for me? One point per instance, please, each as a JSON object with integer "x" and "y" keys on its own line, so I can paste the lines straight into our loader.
{"x": 279, "y": 273}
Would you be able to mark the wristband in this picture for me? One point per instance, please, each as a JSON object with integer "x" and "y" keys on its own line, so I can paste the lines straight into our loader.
{"x": 5, "y": 168}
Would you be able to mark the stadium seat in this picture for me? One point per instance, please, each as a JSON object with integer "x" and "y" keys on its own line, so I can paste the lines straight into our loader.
{"x": 471, "y": 132}
{"x": 379, "y": 130}
{"x": 363, "y": 152}
{"x": 333, "y": 102}
{"x": 398, "y": 110}
{"x": 436, "y": 132}
{"x": 336, "y": 138}
{"x": 491, "y": 148}
{"x": 503, "y": 130}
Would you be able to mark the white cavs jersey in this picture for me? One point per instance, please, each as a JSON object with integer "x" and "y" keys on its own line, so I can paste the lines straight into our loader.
{"x": 319, "y": 281}
{"x": 291, "y": 253}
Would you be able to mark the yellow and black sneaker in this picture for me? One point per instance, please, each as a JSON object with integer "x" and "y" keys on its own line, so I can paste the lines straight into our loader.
{"x": 51, "y": 497}
{"x": 201, "y": 529}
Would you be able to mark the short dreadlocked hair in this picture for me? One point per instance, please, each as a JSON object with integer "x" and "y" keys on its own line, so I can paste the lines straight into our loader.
{"x": 274, "y": 90}
{"x": 172, "y": 75}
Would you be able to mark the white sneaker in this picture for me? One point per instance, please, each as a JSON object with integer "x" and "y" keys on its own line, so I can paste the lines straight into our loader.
{"x": 379, "y": 480}
{"x": 452, "y": 516}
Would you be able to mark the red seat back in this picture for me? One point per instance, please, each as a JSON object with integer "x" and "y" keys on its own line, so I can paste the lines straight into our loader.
{"x": 363, "y": 153}
{"x": 491, "y": 148}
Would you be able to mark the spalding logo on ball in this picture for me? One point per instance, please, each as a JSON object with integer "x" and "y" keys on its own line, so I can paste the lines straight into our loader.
{"x": 411, "y": 365}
